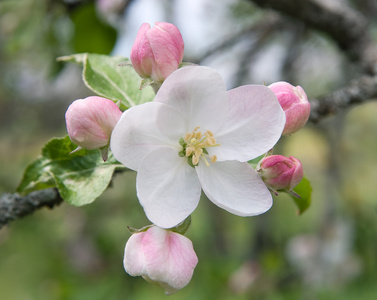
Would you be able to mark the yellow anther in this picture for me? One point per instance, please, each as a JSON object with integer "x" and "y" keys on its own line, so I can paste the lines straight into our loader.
{"x": 198, "y": 135}
{"x": 211, "y": 141}
{"x": 190, "y": 150}
{"x": 195, "y": 160}
{"x": 196, "y": 142}
{"x": 187, "y": 136}
{"x": 198, "y": 151}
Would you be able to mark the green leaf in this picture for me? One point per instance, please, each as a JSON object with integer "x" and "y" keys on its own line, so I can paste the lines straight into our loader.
{"x": 304, "y": 190}
{"x": 36, "y": 177}
{"x": 107, "y": 77}
{"x": 80, "y": 177}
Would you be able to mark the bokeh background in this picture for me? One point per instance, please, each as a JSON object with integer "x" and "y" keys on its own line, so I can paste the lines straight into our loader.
{"x": 69, "y": 252}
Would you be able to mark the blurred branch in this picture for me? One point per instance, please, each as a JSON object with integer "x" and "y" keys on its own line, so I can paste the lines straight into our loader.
{"x": 346, "y": 26}
{"x": 263, "y": 30}
{"x": 349, "y": 29}
{"x": 356, "y": 92}
{"x": 259, "y": 29}
{"x": 14, "y": 206}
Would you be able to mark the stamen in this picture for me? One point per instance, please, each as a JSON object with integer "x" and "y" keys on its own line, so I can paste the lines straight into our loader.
{"x": 206, "y": 162}
{"x": 195, "y": 160}
{"x": 198, "y": 151}
{"x": 211, "y": 141}
{"x": 187, "y": 136}
{"x": 198, "y": 135}
{"x": 194, "y": 146}
{"x": 190, "y": 150}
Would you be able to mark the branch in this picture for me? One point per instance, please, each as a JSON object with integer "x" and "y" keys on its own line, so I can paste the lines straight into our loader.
{"x": 259, "y": 29}
{"x": 356, "y": 92}
{"x": 14, "y": 206}
{"x": 346, "y": 26}
{"x": 349, "y": 29}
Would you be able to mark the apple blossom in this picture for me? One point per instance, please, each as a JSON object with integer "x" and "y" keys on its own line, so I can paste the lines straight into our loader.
{"x": 161, "y": 256}
{"x": 90, "y": 122}
{"x": 280, "y": 172}
{"x": 157, "y": 51}
{"x": 295, "y": 104}
{"x": 195, "y": 136}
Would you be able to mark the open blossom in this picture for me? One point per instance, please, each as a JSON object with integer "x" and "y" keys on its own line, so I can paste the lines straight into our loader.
{"x": 280, "y": 172}
{"x": 195, "y": 136}
{"x": 161, "y": 256}
{"x": 158, "y": 51}
{"x": 90, "y": 121}
{"x": 295, "y": 104}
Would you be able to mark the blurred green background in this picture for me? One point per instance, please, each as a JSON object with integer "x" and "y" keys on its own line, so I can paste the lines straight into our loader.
{"x": 329, "y": 252}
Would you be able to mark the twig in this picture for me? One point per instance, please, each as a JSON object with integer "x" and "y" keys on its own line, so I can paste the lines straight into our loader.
{"x": 356, "y": 92}
{"x": 14, "y": 206}
{"x": 346, "y": 26}
{"x": 271, "y": 21}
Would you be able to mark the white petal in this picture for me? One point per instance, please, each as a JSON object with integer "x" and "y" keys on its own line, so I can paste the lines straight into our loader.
{"x": 199, "y": 93}
{"x": 144, "y": 128}
{"x": 235, "y": 187}
{"x": 134, "y": 261}
{"x": 167, "y": 187}
{"x": 254, "y": 124}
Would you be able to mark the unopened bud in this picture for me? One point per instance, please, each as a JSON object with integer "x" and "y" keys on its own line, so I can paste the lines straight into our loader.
{"x": 295, "y": 104}
{"x": 158, "y": 51}
{"x": 280, "y": 172}
{"x": 161, "y": 256}
{"x": 90, "y": 121}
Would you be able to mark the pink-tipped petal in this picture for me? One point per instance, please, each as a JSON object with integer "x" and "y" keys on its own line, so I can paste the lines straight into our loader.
{"x": 134, "y": 260}
{"x": 235, "y": 187}
{"x": 199, "y": 94}
{"x": 144, "y": 128}
{"x": 161, "y": 256}
{"x": 253, "y": 126}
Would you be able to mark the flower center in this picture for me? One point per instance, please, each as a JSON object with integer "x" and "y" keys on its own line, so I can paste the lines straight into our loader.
{"x": 194, "y": 146}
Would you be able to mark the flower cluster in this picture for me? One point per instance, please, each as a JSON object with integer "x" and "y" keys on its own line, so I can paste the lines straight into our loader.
{"x": 194, "y": 136}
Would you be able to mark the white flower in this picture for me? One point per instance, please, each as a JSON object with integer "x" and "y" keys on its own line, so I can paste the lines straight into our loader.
{"x": 195, "y": 136}
{"x": 161, "y": 256}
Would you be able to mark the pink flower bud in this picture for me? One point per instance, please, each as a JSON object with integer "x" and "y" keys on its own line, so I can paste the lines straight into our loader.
{"x": 295, "y": 104}
{"x": 280, "y": 172}
{"x": 158, "y": 51}
{"x": 90, "y": 121}
{"x": 161, "y": 256}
